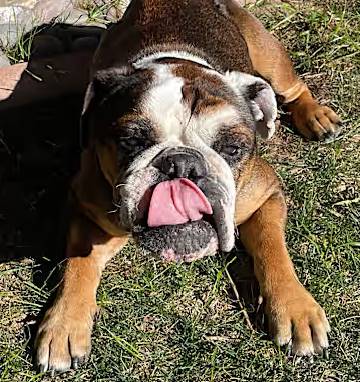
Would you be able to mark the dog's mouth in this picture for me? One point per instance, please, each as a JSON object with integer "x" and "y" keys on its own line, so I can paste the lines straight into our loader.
{"x": 178, "y": 222}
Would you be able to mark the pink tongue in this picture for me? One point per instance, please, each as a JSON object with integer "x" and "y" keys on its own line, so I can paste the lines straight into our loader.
{"x": 177, "y": 202}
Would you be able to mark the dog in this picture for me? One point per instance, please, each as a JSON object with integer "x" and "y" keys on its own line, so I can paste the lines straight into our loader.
{"x": 178, "y": 92}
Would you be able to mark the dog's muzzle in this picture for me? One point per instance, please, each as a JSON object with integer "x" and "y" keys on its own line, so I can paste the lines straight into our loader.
{"x": 184, "y": 212}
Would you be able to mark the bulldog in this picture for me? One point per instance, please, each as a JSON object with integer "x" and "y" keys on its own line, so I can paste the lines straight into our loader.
{"x": 178, "y": 92}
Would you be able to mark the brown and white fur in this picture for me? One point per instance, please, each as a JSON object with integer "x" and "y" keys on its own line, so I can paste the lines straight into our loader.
{"x": 192, "y": 74}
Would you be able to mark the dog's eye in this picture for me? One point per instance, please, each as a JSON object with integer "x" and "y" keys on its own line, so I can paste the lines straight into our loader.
{"x": 231, "y": 150}
{"x": 132, "y": 144}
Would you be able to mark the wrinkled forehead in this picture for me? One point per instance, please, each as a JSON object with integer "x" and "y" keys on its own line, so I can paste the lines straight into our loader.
{"x": 184, "y": 101}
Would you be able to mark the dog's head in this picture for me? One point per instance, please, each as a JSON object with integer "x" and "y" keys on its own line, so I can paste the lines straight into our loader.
{"x": 172, "y": 139}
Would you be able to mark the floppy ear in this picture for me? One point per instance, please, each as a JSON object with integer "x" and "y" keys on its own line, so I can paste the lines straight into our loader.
{"x": 103, "y": 84}
{"x": 261, "y": 98}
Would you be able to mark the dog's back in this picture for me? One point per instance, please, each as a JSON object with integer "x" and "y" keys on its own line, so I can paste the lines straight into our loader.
{"x": 194, "y": 26}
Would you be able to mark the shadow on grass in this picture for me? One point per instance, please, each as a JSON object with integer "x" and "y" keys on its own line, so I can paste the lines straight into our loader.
{"x": 38, "y": 158}
{"x": 39, "y": 154}
{"x": 39, "y": 148}
{"x": 244, "y": 290}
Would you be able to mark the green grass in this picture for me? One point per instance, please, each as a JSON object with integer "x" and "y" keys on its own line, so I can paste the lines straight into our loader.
{"x": 97, "y": 11}
{"x": 20, "y": 51}
{"x": 178, "y": 322}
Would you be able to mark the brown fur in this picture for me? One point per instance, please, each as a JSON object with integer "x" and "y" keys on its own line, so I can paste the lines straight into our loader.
{"x": 205, "y": 91}
{"x": 271, "y": 61}
{"x": 94, "y": 235}
{"x": 170, "y": 25}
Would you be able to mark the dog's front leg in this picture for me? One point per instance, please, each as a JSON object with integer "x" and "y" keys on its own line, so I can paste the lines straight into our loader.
{"x": 292, "y": 312}
{"x": 64, "y": 336}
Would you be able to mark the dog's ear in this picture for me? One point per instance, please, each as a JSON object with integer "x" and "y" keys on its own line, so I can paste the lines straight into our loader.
{"x": 261, "y": 98}
{"x": 102, "y": 85}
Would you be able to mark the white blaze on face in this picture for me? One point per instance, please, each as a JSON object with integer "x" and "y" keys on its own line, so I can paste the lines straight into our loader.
{"x": 164, "y": 107}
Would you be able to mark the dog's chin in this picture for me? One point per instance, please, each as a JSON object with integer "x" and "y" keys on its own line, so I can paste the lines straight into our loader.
{"x": 179, "y": 243}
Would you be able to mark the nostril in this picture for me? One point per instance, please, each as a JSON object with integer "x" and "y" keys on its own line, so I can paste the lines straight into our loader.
{"x": 193, "y": 175}
{"x": 196, "y": 174}
{"x": 167, "y": 166}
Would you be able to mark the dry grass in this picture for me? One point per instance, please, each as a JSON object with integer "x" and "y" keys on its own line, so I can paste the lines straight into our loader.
{"x": 178, "y": 322}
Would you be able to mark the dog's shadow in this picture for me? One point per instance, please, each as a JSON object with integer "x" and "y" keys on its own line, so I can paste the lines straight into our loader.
{"x": 244, "y": 289}
{"x": 39, "y": 142}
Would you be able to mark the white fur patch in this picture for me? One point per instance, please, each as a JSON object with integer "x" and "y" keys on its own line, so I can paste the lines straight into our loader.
{"x": 264, "y": 106}
{"x": 164, "y": 105}
{"x": 148, "y": 61}
{"x": 207, "y": 125}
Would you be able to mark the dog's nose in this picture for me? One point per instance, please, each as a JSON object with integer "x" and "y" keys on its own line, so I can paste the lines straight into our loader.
{"x": 182, "y": 164}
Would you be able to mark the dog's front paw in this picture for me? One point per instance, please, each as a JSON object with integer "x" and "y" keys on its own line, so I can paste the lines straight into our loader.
{"x": 63, "y": 340}
{"x": 315, "y": 121}
{"x": 297, "y": 320}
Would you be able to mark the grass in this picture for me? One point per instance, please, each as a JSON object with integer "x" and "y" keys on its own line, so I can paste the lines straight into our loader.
{"x": 180, "y": 322}
{"x": 20, "y": 51}
{"x": 98, "y": 11}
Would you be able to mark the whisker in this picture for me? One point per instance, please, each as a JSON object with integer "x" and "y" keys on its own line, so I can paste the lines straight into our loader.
{"x": 120, "y": 185}
{"x": 237, "y": 232}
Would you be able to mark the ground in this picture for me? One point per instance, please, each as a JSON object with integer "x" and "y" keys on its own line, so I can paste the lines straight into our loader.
{"x": 162, "y": 322}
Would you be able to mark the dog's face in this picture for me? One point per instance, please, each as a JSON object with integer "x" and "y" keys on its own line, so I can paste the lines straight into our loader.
{"x": 171, "y": 121}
